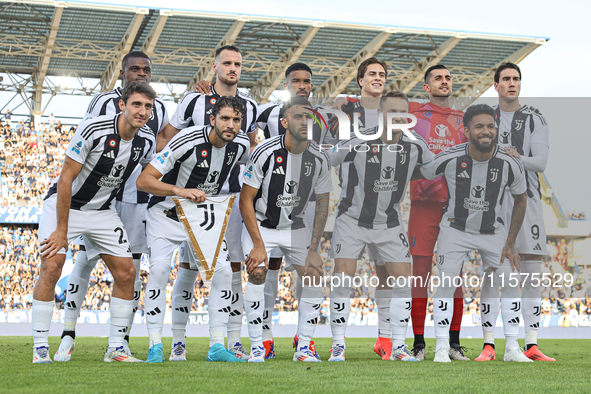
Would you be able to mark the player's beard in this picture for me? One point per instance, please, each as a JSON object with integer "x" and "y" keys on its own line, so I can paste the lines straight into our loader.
{"x": 225, "y": 81}
{"x": 481, "y": 148}
{"x": 438, "y": 94}
{"x": 220, "y": 134}
{"x": 297, "y": 136}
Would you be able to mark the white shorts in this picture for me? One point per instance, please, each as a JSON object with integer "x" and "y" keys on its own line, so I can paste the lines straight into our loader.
{"x": 103, "y": 230}
{"x": 386, "y": 245}
{"x": 531, "y": 238}
{"x": 453, "y": 246}
{"x": 133, "y": 217}
{"x": 293, "y": 244}
{"x": 234, "y": 233}
{"x": 165, "y": 235}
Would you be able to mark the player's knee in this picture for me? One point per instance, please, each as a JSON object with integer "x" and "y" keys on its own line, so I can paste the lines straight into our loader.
{"x": 159, "y": 272}
{"x": 52, "y": 269}
{"x": 125, "y": 274}
{"x": 257, "y": 276}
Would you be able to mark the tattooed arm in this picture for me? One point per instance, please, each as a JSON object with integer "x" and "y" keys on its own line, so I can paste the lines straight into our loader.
{"x": 516, "y": 222}
{"x": 314, "y": 261}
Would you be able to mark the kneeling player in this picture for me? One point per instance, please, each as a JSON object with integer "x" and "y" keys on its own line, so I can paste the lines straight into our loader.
{"x": 477, "y": 173}
{"x": 102, "y": 155}
{"x": 281, "y": 176}
{"x": 195, "y": 164}
{"x": 375, "y": 175}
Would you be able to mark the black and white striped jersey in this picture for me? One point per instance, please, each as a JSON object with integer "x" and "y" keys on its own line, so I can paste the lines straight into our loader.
{"x": 107, "y": 161}
{"x": 190, "y": 161}
{"x": 476, "y": 187}
{"x": 195, "y": 109}
{"x": 269, "y": 120}
{"x": 107, "y": 103}
{"x": 526, "y": 131}
{"x": 375, "y": 177}
{"x": 285, "y": 182}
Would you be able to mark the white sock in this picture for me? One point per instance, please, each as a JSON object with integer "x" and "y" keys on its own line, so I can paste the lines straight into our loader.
{"x": 220, "y": 302}
{"x": 340, "y": 308}
{"x": 383, "y": 299}
{"x": 137, "y": 292}
{"x": 400, "y": 307}
{"x": 182, "y": 302}
{"x": 510, "y": 307}
{"x": 489, "y": 306}
{"x": 120, "y": 311}
{"x": 271, "y": 289}
{"x": 235, "y": 319}
{"x": 155, "y": 299}
{"x": 531, "y": 298}
{"x": 309, "y": 309}
{"x": 443, "y": 311}
{"x": 77, "y": 288}
{"x": 299, "y": 285}
{"x": 254, "y": 304}
{"x": 510, "y": 311}
{"x": 41, "y": 313}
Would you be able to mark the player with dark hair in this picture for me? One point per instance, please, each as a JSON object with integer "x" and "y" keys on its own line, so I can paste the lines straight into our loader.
{"x": 130, "y": 204}
{"x": 375, "y": 174}
{"x": 523, "y": 132}
{"x": 195, "y": 164}
{"x": 100, "y": 158}
{"x": 442, "y": 128}
{"x": 477, "y": 173}
{"x": 195, "y": 110}
{"x": 282, "y": 174}
{"x": 371, "y": 78}
{"x": 298, "y": 83}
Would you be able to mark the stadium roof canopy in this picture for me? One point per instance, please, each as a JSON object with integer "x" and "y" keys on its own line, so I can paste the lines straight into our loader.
{"x": 42, "y": 39}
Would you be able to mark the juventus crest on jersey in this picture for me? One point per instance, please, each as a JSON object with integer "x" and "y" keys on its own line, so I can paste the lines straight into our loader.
{"x": 520, "y": 130}
{"x": 190, "y": 161}
{"x": 286, "y": 182}
{"x": 107, "y": 161}
{"x": 195, "y": 109}
{"x": 374, "y": 178}
{"x": 476, "y": 187}
{"x": 107, "y": 103}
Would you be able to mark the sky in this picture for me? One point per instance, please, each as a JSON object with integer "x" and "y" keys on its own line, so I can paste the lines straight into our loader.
{"x": 555, "y": 70}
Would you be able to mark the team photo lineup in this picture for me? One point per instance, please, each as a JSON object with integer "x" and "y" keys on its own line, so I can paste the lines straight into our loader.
{"x": 138, "y": 180}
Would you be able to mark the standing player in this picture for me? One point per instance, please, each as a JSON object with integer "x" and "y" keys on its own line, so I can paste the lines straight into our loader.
{"x": 442, "y": 128}
{"x": 195, "y": 164}
{"x": 477, "y": 173}
{"x": 373, "y": 186}
{"x": 298, "y": 82}
{"x": 372, "y": 74}
{"x": 130, "y": 204}
{"x": 195, "y": 110}
{"x": 102, "y": 155}
{"x": 523, "y": 132}
{"x": 281, "y": 176}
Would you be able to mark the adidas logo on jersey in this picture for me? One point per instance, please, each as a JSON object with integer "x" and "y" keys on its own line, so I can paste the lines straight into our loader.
{"x": 203, "y": 164}
{"x": 464, "y": 174}
{"x": 110, "y": 154}
{"x": 537, "y": 247}
{"x": 374, "y": 160}
{"x": 279, "y": 171}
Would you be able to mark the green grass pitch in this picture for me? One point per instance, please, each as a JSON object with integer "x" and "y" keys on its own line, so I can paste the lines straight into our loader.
{"x": 363, "y": 371}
